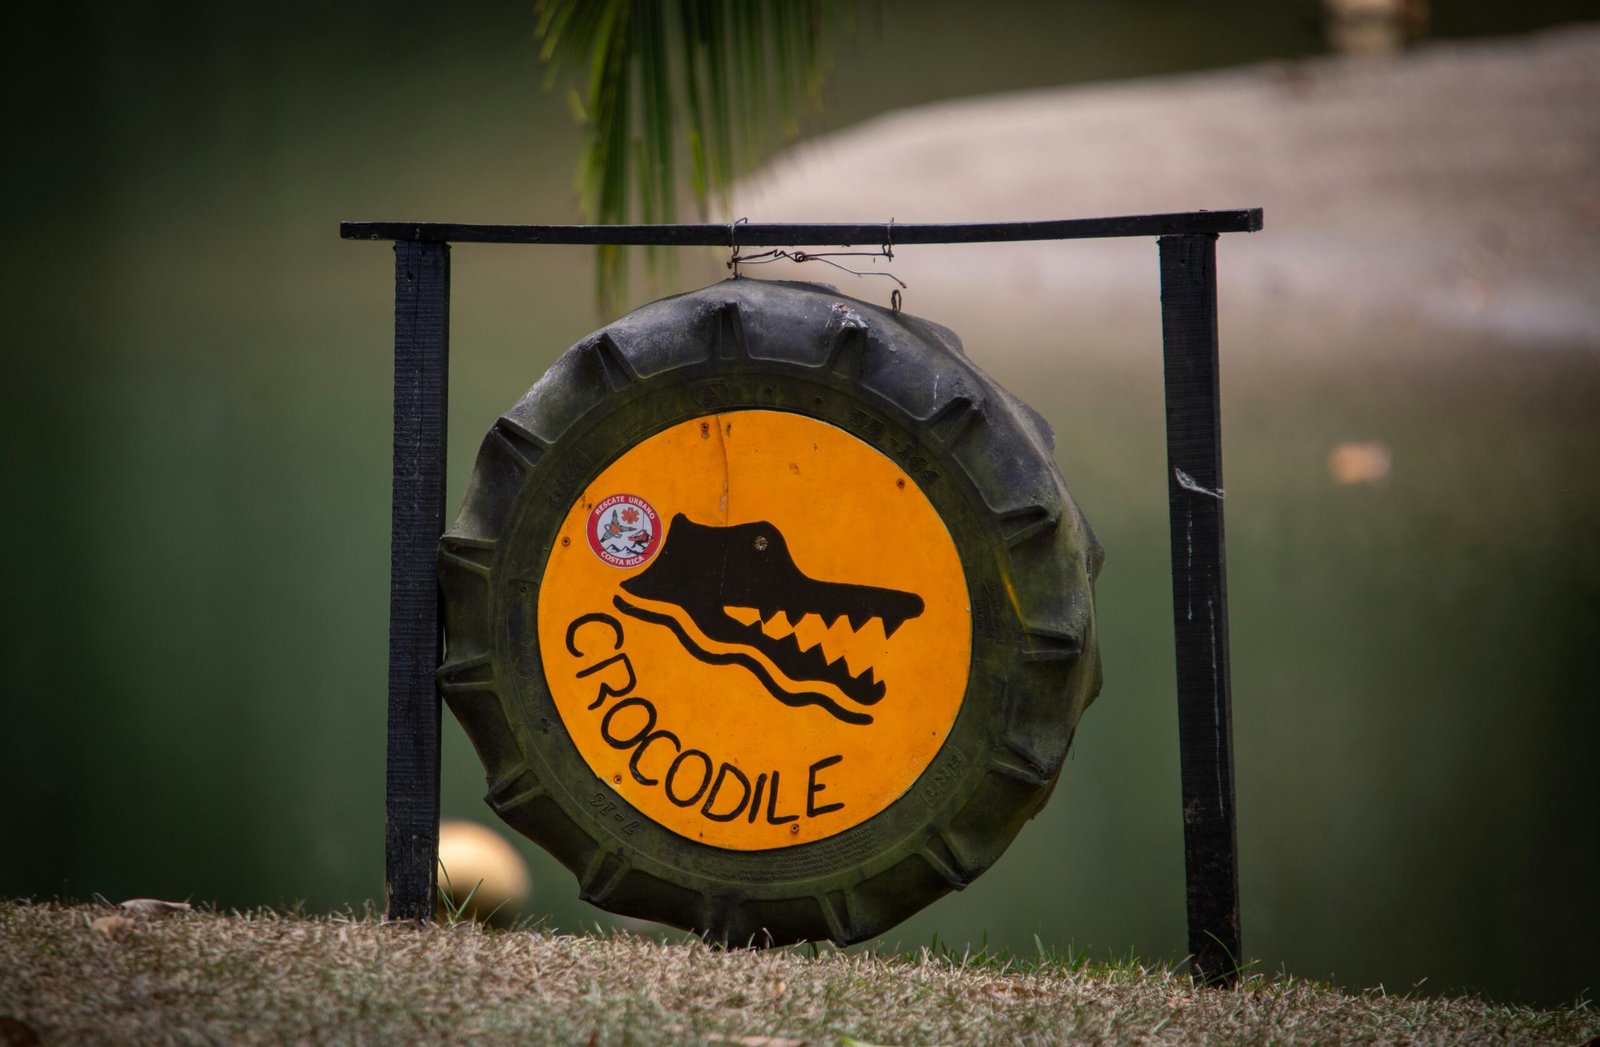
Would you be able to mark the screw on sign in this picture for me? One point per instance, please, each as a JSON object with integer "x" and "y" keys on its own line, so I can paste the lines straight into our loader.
{"x": 769, "y": 614}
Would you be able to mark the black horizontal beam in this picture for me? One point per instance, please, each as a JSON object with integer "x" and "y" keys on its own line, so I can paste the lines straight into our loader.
{"x": 781, "y": 234}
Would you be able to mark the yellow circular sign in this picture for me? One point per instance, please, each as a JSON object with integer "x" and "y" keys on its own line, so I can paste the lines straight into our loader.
{"x": 756, "y": 628}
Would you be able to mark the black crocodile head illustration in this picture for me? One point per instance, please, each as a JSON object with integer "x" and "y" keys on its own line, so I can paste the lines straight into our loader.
{"x": 705, "y": 570}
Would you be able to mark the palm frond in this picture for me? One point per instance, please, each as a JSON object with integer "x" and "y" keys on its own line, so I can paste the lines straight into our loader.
{"x": 717, "y": 81}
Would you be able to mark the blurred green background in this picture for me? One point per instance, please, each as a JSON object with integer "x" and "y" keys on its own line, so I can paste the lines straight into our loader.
{"x": 197, "y": 438}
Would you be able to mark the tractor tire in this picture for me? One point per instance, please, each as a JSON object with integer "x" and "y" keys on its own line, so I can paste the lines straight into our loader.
{"x": 866, "y": 469}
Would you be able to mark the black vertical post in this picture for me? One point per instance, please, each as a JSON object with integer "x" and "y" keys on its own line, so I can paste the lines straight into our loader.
{"x": 421, "y": 366}
{"x": 1200, "y": 601}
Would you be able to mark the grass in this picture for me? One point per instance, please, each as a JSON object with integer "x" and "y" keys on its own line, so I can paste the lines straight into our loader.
{"x": 270, "y": 977}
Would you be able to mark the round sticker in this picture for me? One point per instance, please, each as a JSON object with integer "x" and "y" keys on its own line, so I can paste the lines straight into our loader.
{"x": 623, "y": 530}
{"x": 766, "y": 639}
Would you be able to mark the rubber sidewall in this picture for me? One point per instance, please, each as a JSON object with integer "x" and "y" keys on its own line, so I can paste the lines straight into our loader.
{"x": 1002, "y": 753}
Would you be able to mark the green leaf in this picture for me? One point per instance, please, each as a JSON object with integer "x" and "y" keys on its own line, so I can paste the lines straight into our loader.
{"x": 719, "y": 81}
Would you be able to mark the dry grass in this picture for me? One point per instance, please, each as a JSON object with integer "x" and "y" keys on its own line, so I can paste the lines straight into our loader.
{"x": 195, "y": 977}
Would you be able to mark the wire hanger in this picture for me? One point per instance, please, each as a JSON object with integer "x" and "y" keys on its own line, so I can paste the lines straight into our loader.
{"x": 735, "y": 259}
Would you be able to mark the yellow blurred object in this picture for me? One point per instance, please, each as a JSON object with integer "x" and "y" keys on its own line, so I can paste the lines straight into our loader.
{"x": 475, "y": 856}
{"x": 1364, "y": 462}
{"x": 1373, "y": 27}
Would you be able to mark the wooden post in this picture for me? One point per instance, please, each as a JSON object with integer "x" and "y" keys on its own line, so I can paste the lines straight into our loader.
{"x": 1200, "y": 601}
{"x": 421, "y": 368}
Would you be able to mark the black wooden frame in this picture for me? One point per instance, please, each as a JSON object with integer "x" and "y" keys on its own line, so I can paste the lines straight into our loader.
{"x": 1187, "y": 250}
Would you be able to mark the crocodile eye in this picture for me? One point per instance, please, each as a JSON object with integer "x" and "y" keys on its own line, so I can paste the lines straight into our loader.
{"x": 761, "y": 541}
